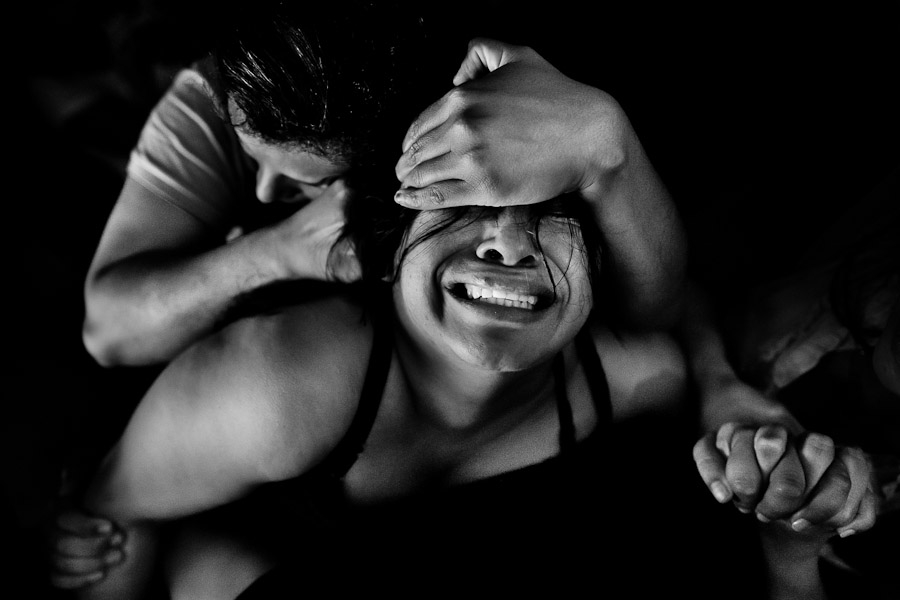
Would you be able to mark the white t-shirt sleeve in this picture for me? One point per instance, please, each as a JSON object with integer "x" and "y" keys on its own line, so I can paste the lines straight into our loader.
{"x": 187, "y": 156}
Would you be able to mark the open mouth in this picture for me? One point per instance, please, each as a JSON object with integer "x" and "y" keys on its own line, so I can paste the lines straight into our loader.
{"x": 500, "y": 297}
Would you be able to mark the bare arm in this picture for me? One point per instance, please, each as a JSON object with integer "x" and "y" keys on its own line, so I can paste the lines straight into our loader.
{"x": 161, "y": 279}
{"x": 254, "y": 403}
{"x": 724, "y": 397}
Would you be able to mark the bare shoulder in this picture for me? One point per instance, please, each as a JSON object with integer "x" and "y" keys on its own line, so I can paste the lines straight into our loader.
{"x": 646, "y": 371}
{"x": 282, "y": 386}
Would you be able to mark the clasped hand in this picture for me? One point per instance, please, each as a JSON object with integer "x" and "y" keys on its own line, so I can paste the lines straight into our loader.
{"x": 805, "y": 481}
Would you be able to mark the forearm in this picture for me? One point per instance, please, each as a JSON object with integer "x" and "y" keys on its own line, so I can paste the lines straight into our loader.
{"x": 796, "y": 581}
{"x": 644, "y": 236}
{"x": 699, "y": 335}
{"x": 722, "y": 395}
{"x": 792, "y": 565}
{"x": 147, "y": 308}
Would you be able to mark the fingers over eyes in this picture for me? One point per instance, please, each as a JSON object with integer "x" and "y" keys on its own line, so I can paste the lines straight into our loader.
{"x": 430, "y": 118}
{"x": 437, "y": 169}
{"x": 443, "y": 195}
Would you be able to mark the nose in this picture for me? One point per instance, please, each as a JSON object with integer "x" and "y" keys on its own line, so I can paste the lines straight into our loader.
{"x": 508, "y": 241}
{"x": 267, "y": 185}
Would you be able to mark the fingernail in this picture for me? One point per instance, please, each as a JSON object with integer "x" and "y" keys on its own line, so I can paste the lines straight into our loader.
{"x": 800, "y": 524}
{"x": 116, "y": 539}
{"x": 762, "y": 518}
{"x": 104, "y": 527}
{"x": 719, "y": 491}
{"x": 743, "y": 509}
{"x": 406, "y": 200}
{"x": 846, "y": 532}
{"x": 113, "y": 557}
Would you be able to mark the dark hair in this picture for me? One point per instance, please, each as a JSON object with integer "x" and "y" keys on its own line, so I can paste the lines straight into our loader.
{"x": 339, "y": 79}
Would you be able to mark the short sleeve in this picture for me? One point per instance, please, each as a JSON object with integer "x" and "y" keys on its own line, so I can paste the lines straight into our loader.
{"x": 188, "y": 156}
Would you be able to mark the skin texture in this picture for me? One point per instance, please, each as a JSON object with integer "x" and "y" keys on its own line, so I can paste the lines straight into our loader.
{"x": 268, "y": 396}
{"x": 507, "y": 260}
{"x": 151, "y": 291}
{"x": 464, "y": 375}
{"x": 515, "y": 130}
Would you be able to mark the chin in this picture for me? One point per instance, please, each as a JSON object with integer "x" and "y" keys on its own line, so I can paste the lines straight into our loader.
{"x": 499, "y": 358}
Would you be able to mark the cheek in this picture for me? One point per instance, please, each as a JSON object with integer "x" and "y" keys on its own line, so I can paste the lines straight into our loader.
{"x": 571, "y": 273}
{"x": 415, "y": 289}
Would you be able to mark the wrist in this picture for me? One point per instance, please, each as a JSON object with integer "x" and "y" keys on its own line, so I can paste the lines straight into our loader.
{"x": 276, "y": 255}
{"x": 300, "y": 250}
{"x": 610, "y": 149}
{"x": 792, "y": 570}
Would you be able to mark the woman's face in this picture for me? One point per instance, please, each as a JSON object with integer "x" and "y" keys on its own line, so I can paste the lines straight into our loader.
{"x": 492, "y": 291}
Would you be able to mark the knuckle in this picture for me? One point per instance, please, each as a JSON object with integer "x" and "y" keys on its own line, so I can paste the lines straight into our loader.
{"x": 492, "y": 189}
{"x": 414, "y": 178}
{"x": 700, "y": 450}
{"x": 771, "y": 432}
{"x": 414, "y": 151}
{"x": 842, "y": 484}
{"x": 788, "y": 489}
{"x": 819, "y": 444}
{"x": 458, "y": 97}
{"x": 866, "y": 519}
{"x": 414, "y": 129}
{"x": 464, "y": 133}
{"x": 435, "y": 196}
{"x": 843, "y": 516}
{"x": 744, "y": 485}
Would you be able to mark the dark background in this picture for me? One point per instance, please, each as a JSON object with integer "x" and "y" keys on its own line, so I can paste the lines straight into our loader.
{"x": 765, "y": 122}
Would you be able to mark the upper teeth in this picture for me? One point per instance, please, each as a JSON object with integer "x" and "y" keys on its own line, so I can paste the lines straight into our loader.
{"x": 502, "y": 297}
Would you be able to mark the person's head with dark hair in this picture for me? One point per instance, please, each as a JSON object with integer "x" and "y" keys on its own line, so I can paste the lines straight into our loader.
{"x": 322, "y": 94}
{"x": 334, "y": 79}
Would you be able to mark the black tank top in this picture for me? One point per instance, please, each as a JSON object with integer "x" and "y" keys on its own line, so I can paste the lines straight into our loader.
{"x": 345, "y": 454}
{"x": 622, "y": 510}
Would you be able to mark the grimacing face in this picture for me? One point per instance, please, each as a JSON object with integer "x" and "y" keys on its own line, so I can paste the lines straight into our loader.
{"x": 492, "y": 292}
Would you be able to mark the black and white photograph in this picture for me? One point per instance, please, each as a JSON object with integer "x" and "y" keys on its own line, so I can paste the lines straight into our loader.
{"x": 313, "y": 299}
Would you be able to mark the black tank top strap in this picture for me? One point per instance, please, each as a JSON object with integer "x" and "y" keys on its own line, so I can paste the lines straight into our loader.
{"x": 338, "y": 463}
{"x": 596, "y": 377}
{"x": 567, "y": 439}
